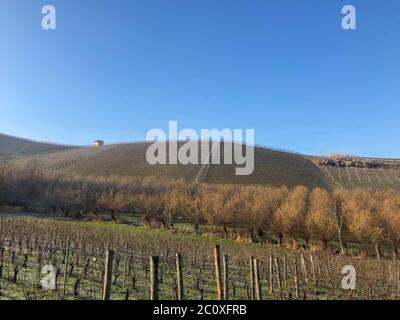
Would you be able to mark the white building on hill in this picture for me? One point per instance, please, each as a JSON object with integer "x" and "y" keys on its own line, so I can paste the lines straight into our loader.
{"x": 98, "y": 143}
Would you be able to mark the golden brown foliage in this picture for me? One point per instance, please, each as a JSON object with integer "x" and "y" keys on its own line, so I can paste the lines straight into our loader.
{"x": 362, "y": 215}
{"x": 320, "y": 221}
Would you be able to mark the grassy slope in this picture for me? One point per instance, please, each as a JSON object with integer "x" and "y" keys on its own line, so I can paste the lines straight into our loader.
{"x": 352, "y": 178}
{"x": 274, "y": 168}
{"x": 129, "y": 160}
{"x": 17, "y": 146}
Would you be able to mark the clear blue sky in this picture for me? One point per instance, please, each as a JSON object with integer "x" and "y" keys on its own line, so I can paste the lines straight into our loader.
{"x": 115, "y": 69}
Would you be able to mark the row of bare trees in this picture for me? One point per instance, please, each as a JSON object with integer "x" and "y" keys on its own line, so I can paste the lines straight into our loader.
{"x": 266, "y": 213}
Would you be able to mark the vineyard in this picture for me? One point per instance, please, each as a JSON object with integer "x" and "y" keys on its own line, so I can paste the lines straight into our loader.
{"x": 352, "y": 178}
{"x": 133, "y": 231}
{"x": 100, "y": 261}
{"x": 63, "y": 159}
{"x": 117, "y": 159}
{"x": 10, "y": 145}
{"x": 355, "y": 172}
{"x": 271, "y": 168}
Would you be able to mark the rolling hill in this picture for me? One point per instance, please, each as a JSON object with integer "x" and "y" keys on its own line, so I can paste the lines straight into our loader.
{"x": 274, "y": 168}
{"x": 13, "y": 146}
{"x": 271, "y": 167}
{"x": 128, "y": 159}
{"x": 360, "y": 172}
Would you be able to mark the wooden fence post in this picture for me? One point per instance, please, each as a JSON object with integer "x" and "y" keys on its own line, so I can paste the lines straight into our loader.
{"x": 318, "y": 264}
{"x": 278, "y": 271}
{"x": 398, "y": 281}
{"x": 271, "y": 274}
{"x": 108, "y": 275}
{"x": 285, "y": 273}
{"x": 125, "y": 264}
{"x": 314, "y": 274}
{"x": 252, "y": 286}
{"x": 66, "y": 266}
{"x": 313, "y": 271}
{"x": 304, "y": 267}
{"x": 217, "y": 264}
{"x": 328, "y": 258}
{"x": 296, "y": 278}
{"x": 226, "y": 277}
{"x": 154, "y": 277}
{"x": 257, "y": 280}
{"x": 179, "y": 275}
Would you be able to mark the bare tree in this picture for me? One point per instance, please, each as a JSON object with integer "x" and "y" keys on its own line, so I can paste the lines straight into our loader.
{"x": 339, "y": 197}
{"x": 363, "y": 219}
{"x": 390, "y": 215}
{"x": 288, "y": 218}
{"x": 320, "y": 221}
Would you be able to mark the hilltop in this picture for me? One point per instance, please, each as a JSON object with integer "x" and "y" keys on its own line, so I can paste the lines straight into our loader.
{"x": 14, "y": 146}
{"x": 271, "y": 167}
